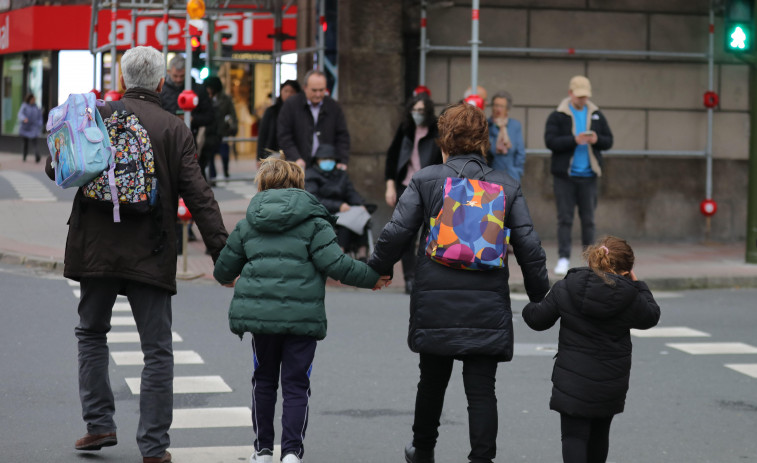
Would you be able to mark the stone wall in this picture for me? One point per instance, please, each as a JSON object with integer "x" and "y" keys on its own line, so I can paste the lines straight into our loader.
{"x": 650, "y": 103}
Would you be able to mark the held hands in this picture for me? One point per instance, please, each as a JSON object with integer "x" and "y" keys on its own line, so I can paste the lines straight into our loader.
{"x": 391, "y": 194}
{"x": 344, "y": 207}
{"x": 230, "y": 285}
{"x": 382, "y": 282}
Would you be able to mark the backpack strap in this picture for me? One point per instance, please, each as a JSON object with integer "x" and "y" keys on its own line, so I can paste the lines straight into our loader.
{"x": 460, "y": 173}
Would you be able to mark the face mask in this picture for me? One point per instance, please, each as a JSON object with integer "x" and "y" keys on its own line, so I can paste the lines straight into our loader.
{"x": 327, "y": 165}
{"x": 418, "y": 119}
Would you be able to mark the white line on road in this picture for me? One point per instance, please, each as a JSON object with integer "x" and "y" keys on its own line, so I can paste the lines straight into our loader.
{"x": 28, "y": 187}
{"x": 749, "y": 369}
{"x": 135, "y": 357}
{"x": 217, "y": 454}
{"x": 122, "y": 321}
{"x": 227, "y": 417}
{"x": 129, "y": 336}
{"x": 188, "y": 385}
{"x": 670, "y": 332}
{"x": 714, "y": 348}
{"x": 532, "y": 349}
{"x": 121, "y": 307}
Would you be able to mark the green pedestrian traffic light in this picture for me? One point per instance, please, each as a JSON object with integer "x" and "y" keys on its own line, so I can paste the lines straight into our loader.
{"x": 739, "y": 26}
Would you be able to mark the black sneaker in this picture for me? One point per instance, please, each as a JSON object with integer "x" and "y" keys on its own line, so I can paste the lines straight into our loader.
{"x": 418, "y": 456}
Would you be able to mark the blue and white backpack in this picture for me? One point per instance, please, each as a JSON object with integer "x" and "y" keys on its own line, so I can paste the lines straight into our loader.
{"x": 78, "y": 141}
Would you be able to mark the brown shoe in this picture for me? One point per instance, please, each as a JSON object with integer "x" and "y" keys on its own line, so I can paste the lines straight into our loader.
{"x": 166, "y": 458}
{"x": 96, "y": 441}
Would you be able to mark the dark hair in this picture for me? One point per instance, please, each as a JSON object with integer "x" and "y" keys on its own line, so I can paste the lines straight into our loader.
{"x": 463, "y": 129}
{"x": 429, "y": 119}
{"x": 609, "y": 255}
{"x": 213, "y": 83}
{"x": 506, "y": 96}
{"x": 292, "y": 83}
{"x": 28, "y": 98}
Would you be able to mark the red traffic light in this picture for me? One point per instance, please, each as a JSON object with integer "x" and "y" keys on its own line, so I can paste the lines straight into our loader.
{"x": 708, "y": 207}
{"x": 188, "y": 100}
{"x": 183, "y": 212}
{"x": 195, "y": 42}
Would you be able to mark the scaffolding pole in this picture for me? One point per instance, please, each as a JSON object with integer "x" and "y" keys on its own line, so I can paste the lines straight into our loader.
{"x": 474, "y": 48}
{"x": 422, "y": 72}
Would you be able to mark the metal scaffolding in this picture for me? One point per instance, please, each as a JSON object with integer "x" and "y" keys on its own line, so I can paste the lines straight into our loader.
{"x": 475, "y": 49}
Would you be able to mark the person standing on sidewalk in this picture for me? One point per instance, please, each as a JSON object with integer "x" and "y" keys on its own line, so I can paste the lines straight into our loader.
{"x": 597, "y": 305}
{"x": 576, "y": 133}
{"x": 224, "y": 125}
{"x": 137, "y": 258}
{"x": 284, "y": 249}
{"x": 30, "y": 120}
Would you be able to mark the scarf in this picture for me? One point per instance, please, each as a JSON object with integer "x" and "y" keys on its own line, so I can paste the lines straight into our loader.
{"x": 503, "y": 140}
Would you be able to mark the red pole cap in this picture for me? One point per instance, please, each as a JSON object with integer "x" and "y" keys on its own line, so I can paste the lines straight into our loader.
{"x": 710, "y": 99}
{"x": 97, "y": 93}
{"x": 112, "y": 95}
{"x": 475, "y": 100}
{"x": 188, "y": 100}
{"x": 708, "y": 207}
{"x": 422, "y": 89}
{"x": 183, "y": 212}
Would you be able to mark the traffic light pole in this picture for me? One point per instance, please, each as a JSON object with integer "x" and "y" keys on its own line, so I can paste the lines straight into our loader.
{"x": 751, "y": 219}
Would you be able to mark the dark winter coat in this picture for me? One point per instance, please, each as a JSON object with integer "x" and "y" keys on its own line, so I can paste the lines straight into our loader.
{"x": 332, "y": 188}
{"x": 267, "y": 137}
{"x": 224, "y": 123}
{"x": 33, "y": 125}
{"x": 143, "y": 247}
{"x": 296, "y": 127}
{"x": 460, "y": 312}
{"x": 590, "y": 377}
{"x": 399, "y": 152}
{"x": 202, "y": 116}
{"x": 284, "y": 249}
{"x": 559, "y": 136}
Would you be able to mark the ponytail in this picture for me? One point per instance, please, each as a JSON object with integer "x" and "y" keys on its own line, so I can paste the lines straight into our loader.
{"x": 609, "y": 255}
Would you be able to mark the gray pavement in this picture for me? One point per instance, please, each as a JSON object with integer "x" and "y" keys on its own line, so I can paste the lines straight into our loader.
{"x": 33, "y": 233}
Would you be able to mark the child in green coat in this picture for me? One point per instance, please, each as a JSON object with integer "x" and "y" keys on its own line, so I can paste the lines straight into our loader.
{"x": 282, "y": 252}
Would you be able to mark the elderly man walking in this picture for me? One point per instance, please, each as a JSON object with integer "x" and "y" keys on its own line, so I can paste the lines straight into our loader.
{"x": 310, "y": 119}
{"x": 576, "y": 133}
{"x": 137, "y": 258}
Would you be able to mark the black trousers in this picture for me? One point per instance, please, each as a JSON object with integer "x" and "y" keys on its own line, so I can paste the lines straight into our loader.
{"x": 33, "y": 142}
{"x": 569, "y": 193}
{"x": 479, "y": 375}
{"x": 585, "y": 440}
{"x": 408, "y": 255}
{"x": 291, "y": 357}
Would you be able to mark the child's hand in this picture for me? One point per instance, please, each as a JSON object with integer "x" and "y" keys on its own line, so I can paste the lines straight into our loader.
{"x": 382, "y": 282}
{"x": 231, "y": 285}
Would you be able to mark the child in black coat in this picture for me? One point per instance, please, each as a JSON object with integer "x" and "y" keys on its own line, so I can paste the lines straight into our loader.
{"x": 598, "y": 306}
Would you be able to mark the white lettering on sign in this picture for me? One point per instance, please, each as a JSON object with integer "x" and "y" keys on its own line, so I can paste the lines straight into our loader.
{"x": 173, "y": 29}
{"x": 247, "y": 29}
{"x": 123, "y": 32}
{"x": 142, "y": 30}
{"x": 229, "y": 27}
{"x": 5, "y": 31}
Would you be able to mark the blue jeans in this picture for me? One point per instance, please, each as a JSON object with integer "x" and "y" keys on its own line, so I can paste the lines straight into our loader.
{"x": 151, "y": 307}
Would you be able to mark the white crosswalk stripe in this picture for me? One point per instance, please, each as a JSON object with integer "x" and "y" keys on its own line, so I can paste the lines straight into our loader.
{"x": 533, "y": 349}
{"x": 225, "y": 417}
{"x": 218, "y": 454}
{"x": 749, "y": 369}
{"x": 245, "y": 189}
{"x": 714, "y": 348}
{"x": 28, "y": 187}
{"x": 188, "y": 385}
{"x": 135, "y": 357}
{"x": 128, "y": 336}
{"x": 670, "y": 332}
{"x": 123, "y": 321}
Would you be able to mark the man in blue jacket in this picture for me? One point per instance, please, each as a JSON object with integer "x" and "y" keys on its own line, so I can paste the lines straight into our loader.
{"x": 576, "y": 133}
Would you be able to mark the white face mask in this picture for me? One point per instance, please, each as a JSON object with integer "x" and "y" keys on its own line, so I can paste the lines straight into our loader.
{"x": 418, "y": 119}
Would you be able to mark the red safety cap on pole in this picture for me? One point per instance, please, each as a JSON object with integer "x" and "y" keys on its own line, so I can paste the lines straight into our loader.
{"x": 475, "y": 100}
{"x": 422, "y": 89}
{"x": 188, "y": 100}
{"x": 708, "y": 207}
{"x": 112, "y": 95}
{"x": 97, "y": 93}
{"x": 183, "y": 212}
{"x": 711, "y": 99}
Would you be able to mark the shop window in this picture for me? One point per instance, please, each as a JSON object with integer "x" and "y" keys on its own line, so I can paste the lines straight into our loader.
{"x": 12, "y": 93}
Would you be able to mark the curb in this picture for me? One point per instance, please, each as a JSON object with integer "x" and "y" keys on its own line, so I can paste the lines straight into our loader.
{"x": 48, "y": 264}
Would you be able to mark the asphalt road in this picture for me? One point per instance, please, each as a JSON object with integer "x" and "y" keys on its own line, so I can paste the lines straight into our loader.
{"x": 681, "y": 407}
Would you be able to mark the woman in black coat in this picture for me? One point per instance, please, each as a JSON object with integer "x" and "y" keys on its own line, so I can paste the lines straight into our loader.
{"x": 413, "y": 148}
{"x": 459, "y": 314}
{"x": 267, "y": 138}
{"x": 598, "y": 306}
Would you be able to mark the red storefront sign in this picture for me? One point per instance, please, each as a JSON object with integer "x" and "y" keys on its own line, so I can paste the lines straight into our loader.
{"x": 248, "y": 32}
{"x": 67, "y": 28}
{"x": 45, "y": 28}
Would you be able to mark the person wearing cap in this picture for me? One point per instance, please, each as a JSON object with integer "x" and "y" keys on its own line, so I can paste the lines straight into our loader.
{"x": 333, "y": 188}
{"x": 576, "y": 133}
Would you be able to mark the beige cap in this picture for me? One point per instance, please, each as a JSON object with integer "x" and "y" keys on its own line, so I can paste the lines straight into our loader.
{"x": 580, "y": 86}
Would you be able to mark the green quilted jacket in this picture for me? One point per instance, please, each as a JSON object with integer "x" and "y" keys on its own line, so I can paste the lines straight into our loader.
{"x": 284, "y": 249}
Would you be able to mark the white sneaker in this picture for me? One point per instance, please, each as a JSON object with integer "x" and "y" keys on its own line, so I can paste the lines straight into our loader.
{"x": 255, "y": 458}
{"x": 291, "y": 458}
{"x": 563, "y": 264}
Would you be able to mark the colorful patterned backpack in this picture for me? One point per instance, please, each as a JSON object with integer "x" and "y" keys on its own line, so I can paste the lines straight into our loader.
{"x": 130, "y": 184}
{"x": 469, "y": 233}
{"x": 77, "y": 140}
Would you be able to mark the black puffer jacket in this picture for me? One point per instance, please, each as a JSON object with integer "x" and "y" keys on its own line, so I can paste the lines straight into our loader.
{"x": 332, "y": 188}
{"x": 590, "y": 377}
{"x": 460, "y": 312}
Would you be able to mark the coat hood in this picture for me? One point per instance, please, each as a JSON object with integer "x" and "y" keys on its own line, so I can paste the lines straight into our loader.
{"x": 597, "y": 299}
{"x": 279, "y": 210}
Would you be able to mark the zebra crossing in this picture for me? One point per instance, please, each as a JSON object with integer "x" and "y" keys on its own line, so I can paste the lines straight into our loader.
{"x": 703, "y": 348}
{"x": 124, "y": 355}
{"x": 28, "y": 187}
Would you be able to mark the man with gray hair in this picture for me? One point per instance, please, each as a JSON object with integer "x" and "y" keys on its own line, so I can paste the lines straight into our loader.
{"x": 203, "y": 115}
{"x": 310, "y": 119}
{"x": 137, "y": 258}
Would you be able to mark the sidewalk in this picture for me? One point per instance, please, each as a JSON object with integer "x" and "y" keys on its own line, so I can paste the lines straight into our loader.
{"x": 33, "y": 233}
